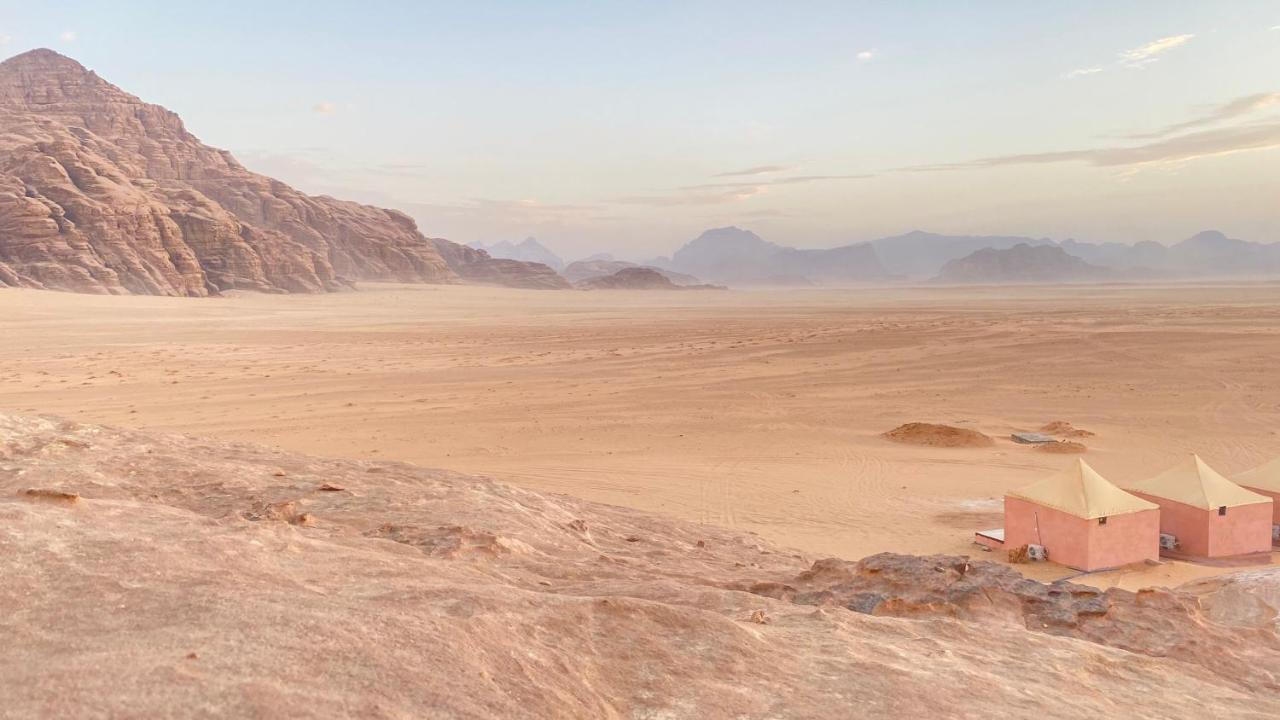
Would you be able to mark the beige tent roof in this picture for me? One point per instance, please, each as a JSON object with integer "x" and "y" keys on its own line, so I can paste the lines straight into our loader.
{"x": 1266, "y": 477}
{"x": 1081, "y": 491}
{"x": 1192, "y": 482}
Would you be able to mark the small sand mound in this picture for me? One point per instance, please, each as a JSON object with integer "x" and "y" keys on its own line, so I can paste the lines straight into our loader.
{"x": 1064, "y": 429}
{"x": 937, "y": 436}
{"x": 1063, "y": 447}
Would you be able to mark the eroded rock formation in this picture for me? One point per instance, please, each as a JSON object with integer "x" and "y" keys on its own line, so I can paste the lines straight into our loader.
{"x": 101, "y": 192}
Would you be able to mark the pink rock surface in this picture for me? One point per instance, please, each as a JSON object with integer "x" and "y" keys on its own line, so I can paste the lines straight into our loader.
{"x": 168, "y": 576}
{"x": 101, "y": 192}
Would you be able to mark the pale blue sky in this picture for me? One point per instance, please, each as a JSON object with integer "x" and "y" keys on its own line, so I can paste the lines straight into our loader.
{"x": 610, "y": 125}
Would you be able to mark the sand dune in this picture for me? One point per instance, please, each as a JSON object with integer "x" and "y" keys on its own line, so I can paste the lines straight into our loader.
{"x": 751, "y": 411}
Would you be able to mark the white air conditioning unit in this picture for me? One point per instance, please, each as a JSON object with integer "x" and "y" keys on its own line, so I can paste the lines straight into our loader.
{"x": 1037, "y": 552}
{"x": 1168, "y": 541}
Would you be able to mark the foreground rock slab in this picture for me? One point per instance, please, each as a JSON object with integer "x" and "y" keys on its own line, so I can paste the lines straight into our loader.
{"x": 156, "y": 575}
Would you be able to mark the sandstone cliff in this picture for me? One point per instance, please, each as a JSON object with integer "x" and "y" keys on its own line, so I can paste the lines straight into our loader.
{"x": 155, "y": 575}
{"x": 101, "y": 192}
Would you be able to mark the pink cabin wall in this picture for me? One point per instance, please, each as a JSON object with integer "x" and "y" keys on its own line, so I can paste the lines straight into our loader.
{"x": 1125, "y": 539}
{"x": 1079, "y": 543}
{"x": 1244, "y": 529}
{"x": 1275, "y": 503}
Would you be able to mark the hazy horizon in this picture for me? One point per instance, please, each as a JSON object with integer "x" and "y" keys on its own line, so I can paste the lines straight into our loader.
{"x": 631, "y": 130}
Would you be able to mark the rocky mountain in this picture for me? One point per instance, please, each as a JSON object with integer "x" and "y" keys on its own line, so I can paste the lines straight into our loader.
{"x": 1021, "y": 263}
{"x": 630, "y": 278}
{"x": 101, "y": 192}
{"x": 151, "y": 575}
{"x": 1207, "y": 254}
{"x": 640, "y": 278}
{"x": 582, "y": 270}
{"x": 738, "y": 256}
{"x": 478, "y": 267}
{"x": 920, "y": 254}
{"x": 527, "y": 250}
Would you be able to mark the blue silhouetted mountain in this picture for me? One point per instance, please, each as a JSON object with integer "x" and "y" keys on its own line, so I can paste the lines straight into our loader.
{"x": 528, "y": 250}
{"x": 736, "y": 256}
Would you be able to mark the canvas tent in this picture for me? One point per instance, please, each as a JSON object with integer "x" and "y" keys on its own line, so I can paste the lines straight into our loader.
{"x": 1083, "y": 520}
{"x": 1210, "y": 515}
{"x": 1264, "y": 480}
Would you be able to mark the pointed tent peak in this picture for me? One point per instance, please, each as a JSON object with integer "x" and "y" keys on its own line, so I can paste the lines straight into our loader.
{"x": 1264, "y": 477}
{"x": 1192, "y": 482}
{"x": 1081, "y": 491}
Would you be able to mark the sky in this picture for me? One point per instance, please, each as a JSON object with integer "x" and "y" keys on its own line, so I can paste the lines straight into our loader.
{"x": 631, "y": 127}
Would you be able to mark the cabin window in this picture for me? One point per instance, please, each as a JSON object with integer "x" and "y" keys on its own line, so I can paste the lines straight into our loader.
{"x": 1222, "y": 509}
{"x": 1102, "y": 521}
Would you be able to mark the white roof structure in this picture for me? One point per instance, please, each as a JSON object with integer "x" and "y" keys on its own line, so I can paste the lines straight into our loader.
{"x": 1192, "y": 482}
{"x": 1266, "y": 477}
{"x": 1081, "y": 491}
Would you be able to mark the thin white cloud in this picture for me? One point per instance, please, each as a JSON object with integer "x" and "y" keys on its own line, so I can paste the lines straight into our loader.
{"x": 696, "y": 197}
{"x": 324, "y": 108}
{"x": 1237, "y": 108}
{"x": 789, "y": 180}
{"x": 1082, "y": 72}
{"x": 866, "y": 55}
{"x": 757, "y": 170}
{"x": 5, "y": 39}
{"x": 1136, "y": 58}
{"x": 1146, "y": 54}
{"x": 68, "y": 36}
{"x": 1182, "y": 148}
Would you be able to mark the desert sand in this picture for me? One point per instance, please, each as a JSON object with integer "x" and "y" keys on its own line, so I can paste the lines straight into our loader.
{"x": 752, "y": 411}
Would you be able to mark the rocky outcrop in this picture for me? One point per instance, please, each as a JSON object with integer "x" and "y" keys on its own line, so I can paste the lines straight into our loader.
{"x": 1151, "y": 622}
{"x": 101, "y": 192}
{"x": 265, "y": 584}
{"x": 635, "y": 278}
{"x": 582, "y": 270}
{"x": 476, "y": 266}
{"x": 1023, "y": 263}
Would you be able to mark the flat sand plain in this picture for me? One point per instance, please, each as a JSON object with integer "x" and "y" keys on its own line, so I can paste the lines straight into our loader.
{"x": 759, "y": 411}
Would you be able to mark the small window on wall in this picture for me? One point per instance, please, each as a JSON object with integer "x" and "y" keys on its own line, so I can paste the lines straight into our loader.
{"x": 1222, "y": 509}
{"x": 1102, "y": 521}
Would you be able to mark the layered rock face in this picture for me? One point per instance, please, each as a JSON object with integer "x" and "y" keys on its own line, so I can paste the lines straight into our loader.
{"x": 101, "y": 192}
{"x": 151, "y": 575}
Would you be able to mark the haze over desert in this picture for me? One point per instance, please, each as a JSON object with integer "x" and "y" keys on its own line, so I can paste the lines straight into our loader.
{"x": 754, "y": 411}
{"x": 696, "y": 360}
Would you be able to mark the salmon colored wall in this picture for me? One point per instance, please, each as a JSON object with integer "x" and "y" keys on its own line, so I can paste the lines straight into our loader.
{"x": 1275, "y": 503}
{"x": 1244, "y": 529}
{"x": 1125, "y": 539}
{"x": 1184, "y": 521}
{"x": 1080, "y": 543}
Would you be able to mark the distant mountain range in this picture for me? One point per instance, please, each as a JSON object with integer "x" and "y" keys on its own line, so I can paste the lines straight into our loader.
{"x": 736, "y": 256}
{"x": 527, "y": 250}
{"x": 740, "y": 257}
